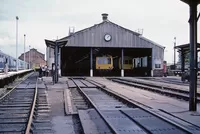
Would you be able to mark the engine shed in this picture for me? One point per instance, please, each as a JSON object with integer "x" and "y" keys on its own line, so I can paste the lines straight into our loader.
{"x": 100, "y": 49}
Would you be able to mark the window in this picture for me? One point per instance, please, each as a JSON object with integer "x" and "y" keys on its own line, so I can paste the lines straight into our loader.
{"x": 157, "y": 65}
{"x": 100, "y": 61}
{"x": 144, "y": 62}
{"x": 104, "y": 60}
{"x": 138, "y": 62}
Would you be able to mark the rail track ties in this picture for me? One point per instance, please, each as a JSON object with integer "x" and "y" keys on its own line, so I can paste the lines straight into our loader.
{"x": 20, "y": 108}
{"x": 108, "y": 112}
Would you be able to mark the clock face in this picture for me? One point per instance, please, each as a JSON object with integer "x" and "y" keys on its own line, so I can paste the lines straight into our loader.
{"x": 107, "y": 37}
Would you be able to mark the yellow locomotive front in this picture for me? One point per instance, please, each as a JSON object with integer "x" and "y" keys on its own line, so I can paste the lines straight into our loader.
{"x": 128, "y": 63}
{"x": 104, "y": 63}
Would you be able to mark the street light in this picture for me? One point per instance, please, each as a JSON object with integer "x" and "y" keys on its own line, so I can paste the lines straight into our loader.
{"x": 17, "y": 18}
{"x": 29, "y": 57}
{"x": 174, "y": 53}
{"x": 24, "y": 51}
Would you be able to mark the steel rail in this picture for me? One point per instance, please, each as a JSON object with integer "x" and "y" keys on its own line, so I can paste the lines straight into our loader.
{"x": 28, "y": 127}
{"x": 169, "y": 81}
{"x": 139, "y": 124}
{"x": 99, "y": 112}
{"x": 104, "y": 86}
{"x": 26, "y": 77}
{"x": 179, "y": 118}
{"x": 145, "y": 109}
{"x": 157, "y": 86}
{"x": 155, "y": 89}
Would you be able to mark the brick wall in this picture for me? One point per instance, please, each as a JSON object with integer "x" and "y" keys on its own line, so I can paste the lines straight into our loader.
{"x": 36, "y": 58}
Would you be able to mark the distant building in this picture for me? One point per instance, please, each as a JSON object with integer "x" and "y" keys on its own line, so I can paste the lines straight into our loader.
{"x": 36, "y": 58}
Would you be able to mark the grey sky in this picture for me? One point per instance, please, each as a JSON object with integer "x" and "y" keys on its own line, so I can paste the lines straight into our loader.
{"x": 47, "y": 19}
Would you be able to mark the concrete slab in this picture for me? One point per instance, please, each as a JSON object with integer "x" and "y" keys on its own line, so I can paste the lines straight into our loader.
{"x": 71, "y": 84}
{"x": 174, "y": 106}
{"x": 92, "y": 122}
{"x": 61, "y": 124}
{"x": 60, "y": 85}
{"x": 68, "y": 102}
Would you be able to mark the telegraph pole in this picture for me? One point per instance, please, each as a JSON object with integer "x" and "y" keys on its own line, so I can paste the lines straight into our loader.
{"x": 17, "y": 18}
{"x": 24, "y": 51}
{"x": 174, "y": 53}
{"x": 29, "y": 57}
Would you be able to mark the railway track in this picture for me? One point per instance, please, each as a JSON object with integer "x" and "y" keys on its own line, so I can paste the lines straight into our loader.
{"x": 111, "y": 113}
{"x": 17, "y": 107}
{"x": 164, "y": 90}
{"x": 170, "y": 81}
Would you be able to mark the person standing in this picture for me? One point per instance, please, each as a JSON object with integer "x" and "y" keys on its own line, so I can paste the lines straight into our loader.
{"x": 43, "y": 71}
{"x": 40, "y": 72}
{"x": 6, "y": 67}
{"x": 46, "y": 71}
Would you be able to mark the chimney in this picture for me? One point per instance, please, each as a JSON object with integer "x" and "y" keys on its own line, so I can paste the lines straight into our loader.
{"x": 71, "y": 30}
{"x": 104, "y": 16}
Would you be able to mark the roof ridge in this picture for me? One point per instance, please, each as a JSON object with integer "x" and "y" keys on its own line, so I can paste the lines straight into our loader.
{"x": 110, "y": 22}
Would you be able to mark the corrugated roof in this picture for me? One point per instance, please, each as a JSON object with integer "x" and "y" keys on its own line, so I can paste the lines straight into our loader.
{"x": 96, "y": 25}
{"x": 185, "y": 47}
{"x": 152, "y": 42}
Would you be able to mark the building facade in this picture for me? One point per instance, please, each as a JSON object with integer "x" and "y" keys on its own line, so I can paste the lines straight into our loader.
{"x": 121, "y": 38}
{"x": 34, "y": 57}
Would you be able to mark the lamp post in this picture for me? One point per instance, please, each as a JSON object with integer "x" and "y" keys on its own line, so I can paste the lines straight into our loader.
{"x": 24, "y": 51}
{"x": 174, "y": 53}
{"x": 29, "y": 57}
{"x": 17, "y": 18}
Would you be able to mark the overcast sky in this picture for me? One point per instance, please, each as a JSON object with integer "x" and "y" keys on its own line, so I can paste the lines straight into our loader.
{"x": 161, "y": 20}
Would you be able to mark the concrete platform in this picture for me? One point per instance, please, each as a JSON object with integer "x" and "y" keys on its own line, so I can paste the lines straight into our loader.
{"x": 175, "y": 107}
{"x": 61, "y": 124}
{"x": 5, "y": 79}
{"x": 9, "y": 74}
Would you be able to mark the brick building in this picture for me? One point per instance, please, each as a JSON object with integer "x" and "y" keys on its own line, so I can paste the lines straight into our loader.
{"x": 36, "y": 58}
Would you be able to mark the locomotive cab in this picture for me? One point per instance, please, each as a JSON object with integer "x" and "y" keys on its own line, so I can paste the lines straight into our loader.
{"x": 104, "y": 63}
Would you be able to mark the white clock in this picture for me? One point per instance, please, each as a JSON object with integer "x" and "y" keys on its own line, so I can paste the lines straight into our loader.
{"x": 107, "y": 37}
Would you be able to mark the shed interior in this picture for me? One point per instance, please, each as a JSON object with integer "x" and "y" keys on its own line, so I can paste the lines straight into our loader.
{"x": 75, "y": 61}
